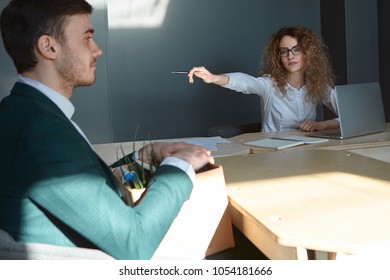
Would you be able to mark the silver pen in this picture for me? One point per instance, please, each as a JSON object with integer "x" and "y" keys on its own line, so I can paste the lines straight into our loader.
{"x": 179, "y": 72}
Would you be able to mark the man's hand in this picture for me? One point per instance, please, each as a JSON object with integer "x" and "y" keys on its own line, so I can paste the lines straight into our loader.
{"x": 194, "y": 155}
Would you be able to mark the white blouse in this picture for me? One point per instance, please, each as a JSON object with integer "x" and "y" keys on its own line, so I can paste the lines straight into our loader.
{"x": 278, "y": 112}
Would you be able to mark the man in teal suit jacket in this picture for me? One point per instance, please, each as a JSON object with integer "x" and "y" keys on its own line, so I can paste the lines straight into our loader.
{"x": 53, "y": 187}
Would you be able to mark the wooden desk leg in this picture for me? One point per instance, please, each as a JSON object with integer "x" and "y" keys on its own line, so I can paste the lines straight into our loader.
{"x": 332, "y": 255}
{"x": 260, "y": 236}
{"x": 305, "y": 254}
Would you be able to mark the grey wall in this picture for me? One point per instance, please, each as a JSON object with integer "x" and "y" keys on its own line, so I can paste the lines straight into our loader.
{"x": 7, "y": 70}
{"x": 361, "y": 23}
{"x": 384, "y": 52}
{"x": 135, "y": 86}
{"x": 354, "y": 48}
{"x": 223, "y": 35}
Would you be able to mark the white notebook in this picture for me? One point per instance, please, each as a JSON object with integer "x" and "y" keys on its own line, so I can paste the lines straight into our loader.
{"x": 276, "y": 144}
{"x": 307, "y": 140}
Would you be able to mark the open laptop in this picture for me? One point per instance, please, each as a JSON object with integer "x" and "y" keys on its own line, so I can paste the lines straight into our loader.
{"x": 360, "y": 111}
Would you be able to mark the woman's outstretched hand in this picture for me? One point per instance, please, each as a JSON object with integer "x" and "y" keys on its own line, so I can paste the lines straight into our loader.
{"x": 202, "y": 73}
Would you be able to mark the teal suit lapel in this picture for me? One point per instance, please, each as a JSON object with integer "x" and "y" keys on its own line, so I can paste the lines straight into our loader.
{"x": 26, "y": 91}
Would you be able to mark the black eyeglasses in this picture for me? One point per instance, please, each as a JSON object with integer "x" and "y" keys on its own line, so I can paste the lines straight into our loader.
{"x": 294, "y": 50}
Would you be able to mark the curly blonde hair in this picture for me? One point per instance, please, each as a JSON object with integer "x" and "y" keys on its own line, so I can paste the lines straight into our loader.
{"x": 318, "y": 72}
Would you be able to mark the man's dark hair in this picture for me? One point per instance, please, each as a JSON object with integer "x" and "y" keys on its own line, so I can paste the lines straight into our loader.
{"x": 24, "y": 21}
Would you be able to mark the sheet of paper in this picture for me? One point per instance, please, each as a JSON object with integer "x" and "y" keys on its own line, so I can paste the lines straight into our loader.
{"x": 209, "y": 143}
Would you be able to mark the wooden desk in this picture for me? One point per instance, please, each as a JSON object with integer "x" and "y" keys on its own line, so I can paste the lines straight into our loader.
{"x": 300, "y": 202}
{"x": 323, "y": 200}
{"x": 111, "y": 152}
{"x": 381, "y": 139}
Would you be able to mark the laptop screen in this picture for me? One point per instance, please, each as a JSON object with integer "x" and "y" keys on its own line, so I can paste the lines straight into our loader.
{"x": 360, "y": 111}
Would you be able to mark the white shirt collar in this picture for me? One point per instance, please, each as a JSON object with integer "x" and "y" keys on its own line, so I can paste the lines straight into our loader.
{"x": 61, "y": 101}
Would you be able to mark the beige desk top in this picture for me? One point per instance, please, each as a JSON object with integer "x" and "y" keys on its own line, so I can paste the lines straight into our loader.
{"x": 111, "y": 152}
{"x": 365, "y": 141}
{"x": 330, "y": 197}
{"x": 312, "y": 196}
{"x": 322, "y": 200}
{"x": 380, "y": 153}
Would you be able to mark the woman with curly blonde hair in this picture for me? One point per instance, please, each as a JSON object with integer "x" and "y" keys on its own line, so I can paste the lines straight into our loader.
{"x": 296, "y": 76}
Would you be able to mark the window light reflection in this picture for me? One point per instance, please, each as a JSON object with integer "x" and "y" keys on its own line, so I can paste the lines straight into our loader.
{"x": 136, "y": 13}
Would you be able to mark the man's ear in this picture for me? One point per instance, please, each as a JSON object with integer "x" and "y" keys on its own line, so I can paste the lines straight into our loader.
{"x": 47, "y": 47}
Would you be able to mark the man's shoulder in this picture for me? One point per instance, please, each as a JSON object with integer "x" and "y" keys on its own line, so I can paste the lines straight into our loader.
{"x": 26, "y": 101}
